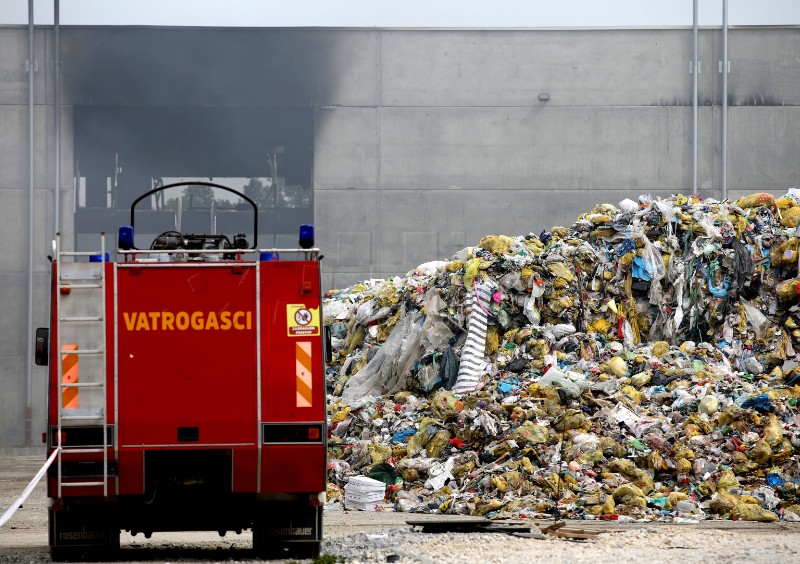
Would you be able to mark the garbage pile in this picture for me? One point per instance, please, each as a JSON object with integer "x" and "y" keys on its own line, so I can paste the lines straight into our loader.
{"x": 641, "y": 364}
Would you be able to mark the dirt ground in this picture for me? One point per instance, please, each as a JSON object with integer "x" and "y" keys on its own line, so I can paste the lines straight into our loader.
{"x": 371, "y": 537}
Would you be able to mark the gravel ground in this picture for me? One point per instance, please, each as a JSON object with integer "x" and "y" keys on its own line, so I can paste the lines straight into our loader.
{"x": 372, "y": 537}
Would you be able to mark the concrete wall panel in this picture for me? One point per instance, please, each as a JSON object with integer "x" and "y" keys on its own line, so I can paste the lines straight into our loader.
{"x": 349, "y": 212}
{"x": 14, "y": 70}
{"x": 511, "y": 68}
{"x": 764, "y": 148}
{"x": 765, "y": 67}
{"x": 347, "y": 67}
{"x": 14, "y": 227}
{"x": 538, "y": 148}
{"x": 14, "y": 360}
{"x": 14, "y": 146}
{"x": 346, "y": 149}
{"x": 12, "y": 414}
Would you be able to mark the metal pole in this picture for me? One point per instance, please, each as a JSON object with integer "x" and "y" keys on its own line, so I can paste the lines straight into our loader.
{"x": 57, "y": 112}
{"x": 694, "y": 98}
{"x": 724, "y": 99}
{"x": 29, "y": 334}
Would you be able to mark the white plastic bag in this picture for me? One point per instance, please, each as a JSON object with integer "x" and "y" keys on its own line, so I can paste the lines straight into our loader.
{"x": 757, "y": 320}
{"x": 628, "y": 206}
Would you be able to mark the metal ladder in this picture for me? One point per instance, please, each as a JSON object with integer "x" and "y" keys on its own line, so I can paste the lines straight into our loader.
{"x": 88, "y": 280}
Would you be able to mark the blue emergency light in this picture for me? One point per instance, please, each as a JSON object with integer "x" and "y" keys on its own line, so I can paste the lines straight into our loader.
{"x": 125, "y": 240}
{"x": 306, "y": 236}
{"x": 98, "y": 257}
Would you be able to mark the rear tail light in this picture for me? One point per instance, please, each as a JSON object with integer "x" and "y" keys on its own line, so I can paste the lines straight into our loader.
{"x": 89, "y": 436}
{"x": 318, "y": 499}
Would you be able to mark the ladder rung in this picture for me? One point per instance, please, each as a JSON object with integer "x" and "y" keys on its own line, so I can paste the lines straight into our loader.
{"x": 83, "y": 351}
{"x": 78, "y": 253}
{"x": 67, "y": 450}
{"x": 80, "y": 286}
{"x": 78, "y": 417}
{"x": 80, "y": 319}
{"x": 84, "y": 385}
{"x": 78, "y": 484}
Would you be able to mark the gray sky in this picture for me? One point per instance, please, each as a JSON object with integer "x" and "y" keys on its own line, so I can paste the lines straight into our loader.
{"x": 403, "y": 13}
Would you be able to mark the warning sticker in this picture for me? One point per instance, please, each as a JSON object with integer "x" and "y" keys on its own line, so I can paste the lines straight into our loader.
{"x": 302, "y": 321}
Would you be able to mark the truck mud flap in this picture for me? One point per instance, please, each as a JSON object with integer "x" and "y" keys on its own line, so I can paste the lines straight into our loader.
{"x": 286, "y": 530}
{"x": 83, "y": 532}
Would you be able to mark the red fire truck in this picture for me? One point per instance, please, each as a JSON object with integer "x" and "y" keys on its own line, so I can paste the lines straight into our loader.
{"x": 186, "y": 391}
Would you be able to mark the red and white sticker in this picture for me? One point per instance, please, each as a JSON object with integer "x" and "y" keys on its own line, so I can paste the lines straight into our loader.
{"x": 302, "y": 321}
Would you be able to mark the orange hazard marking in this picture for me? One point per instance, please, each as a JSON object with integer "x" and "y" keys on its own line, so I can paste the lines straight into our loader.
{"x": 303, "y": 371}
{"x": 69, "y": 370}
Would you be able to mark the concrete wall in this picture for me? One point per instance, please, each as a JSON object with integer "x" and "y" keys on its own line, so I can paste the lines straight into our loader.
{"x": 424, "y": 142}
{"x": 14, "y": 225}
{"x": 440, "y": 137}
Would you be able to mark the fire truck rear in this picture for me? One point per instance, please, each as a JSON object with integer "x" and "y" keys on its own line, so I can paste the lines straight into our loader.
{"x": 186, "y": 392}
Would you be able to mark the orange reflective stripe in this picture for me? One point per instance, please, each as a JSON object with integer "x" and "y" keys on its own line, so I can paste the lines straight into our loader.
{"x": 303, "y": 371}
{"x": 69, "y": 370}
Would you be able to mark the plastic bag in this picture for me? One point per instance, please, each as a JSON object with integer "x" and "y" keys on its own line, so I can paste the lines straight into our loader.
{"x": 789, "y": 289}
{"x": 628, "y": 206}
{"x": 756, "y": 319}
{"x": 428, "y": 377}
{"x": 755, "y": 200}
{"x": 386, "y": 372}
{"x": 531, "y": 310}
{"x": 365, "y": 311}
{"x": 790, "y": 217}
{"x": 530, "y": 434}
{"x": 554, "y": 378}
{"x": 439, "y": 474}
{"x": 337, "y": 310}
{"x": 561, "y": 329}
{"x": 435, "y": 331}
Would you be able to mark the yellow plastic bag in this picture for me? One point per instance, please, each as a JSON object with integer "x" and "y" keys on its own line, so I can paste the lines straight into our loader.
{"x": 496, "y": 244}
{"x": 785, "y": 253}
{"x": 630, "y": 495}
{"x": 560, "y": 270}
{"x": 773, "y": 430}
{"x": 618, "y": 367}
{"x": 789, "y": 289}
{"x": 473, "y": 266}
{"x": 755, "y": 200}
{"x": 530, "y": 434}
{"x": 752, "y": 512}
{"x": 790, "y": 217}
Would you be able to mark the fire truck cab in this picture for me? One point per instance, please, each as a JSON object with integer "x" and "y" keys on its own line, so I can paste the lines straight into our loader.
{"x": 186, "y": 392}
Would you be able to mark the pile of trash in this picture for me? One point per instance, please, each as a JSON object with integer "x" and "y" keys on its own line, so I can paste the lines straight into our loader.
{"x": 642, "y": 363}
